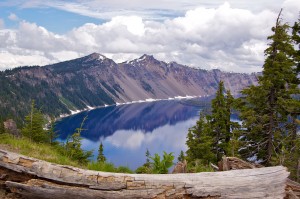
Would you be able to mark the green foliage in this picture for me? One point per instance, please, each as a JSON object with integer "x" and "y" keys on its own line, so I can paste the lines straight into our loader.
{"x": 235, "y": 144}
{"x": 123, "y": 169}
{"x": 73, "y": 146}
{"x": 54, "y": 153}
{"x": 296, "y": 41}
{"x": 200, "y": 141}
{"x": 34, "y": 125}
{"x": 269, "y": 110}
{"x": 52, "y": 134}
{"x": 181, "y": 157}
{"x": 147, "y": 167}
{"x": 161, "y": 166}
{"x": 144, "y": 169}
{"x": 220, "y": 123}
{"x": 43, "y": 151}
{"x": 107, "y": 167}
{"x": 147, "y": 158}
{"x": 21, "y": 85}
{"x": 101, "y": 166}
{"x": 211, "y": 137}
{"x": 198, "y": 166}
{"x": 101, "y": 157}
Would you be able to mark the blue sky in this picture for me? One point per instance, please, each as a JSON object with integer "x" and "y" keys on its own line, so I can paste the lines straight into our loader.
{"x": 54, "y": 20}
{"x": 229, "y": 35}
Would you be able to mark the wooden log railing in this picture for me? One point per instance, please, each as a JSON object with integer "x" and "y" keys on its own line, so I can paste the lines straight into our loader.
{"x": 34, "y": 178}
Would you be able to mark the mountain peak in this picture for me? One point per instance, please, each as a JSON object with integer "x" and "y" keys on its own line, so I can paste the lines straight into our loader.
{"x": 146, "y": 57}
{"x": 97, "y": 56}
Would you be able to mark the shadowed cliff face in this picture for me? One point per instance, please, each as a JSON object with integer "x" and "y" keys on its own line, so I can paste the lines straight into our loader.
{"x": 95, "y": 80}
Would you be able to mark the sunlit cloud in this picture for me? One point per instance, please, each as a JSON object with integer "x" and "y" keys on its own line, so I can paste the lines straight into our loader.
{"x": 13, "y": 17}
{"x": 229, "y": 36}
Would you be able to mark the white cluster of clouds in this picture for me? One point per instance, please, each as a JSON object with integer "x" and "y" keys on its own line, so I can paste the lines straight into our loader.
{"x": 128, "y": 147}
{"x": 172, "y": 137}
{"x": 207, "y": 37}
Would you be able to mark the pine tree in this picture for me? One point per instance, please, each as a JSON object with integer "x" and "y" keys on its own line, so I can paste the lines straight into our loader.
{"x": 147, "y": 164}
{"x": 34, "y": 125}
{"x": 73, "y": 146}
{"x": 147, "y": 167}
{"x": 200, "y": 142}
{"x": 181, "y": 157}
{"x": 210, "y": 138}
{"x": 220, "y": 121}
{"x": 296, "y": 41}
{"x": 52, "y": 134}
{"x": 101, "y": 157}
{"x": 292, "y": 154}
{"x": 266, "y": 109}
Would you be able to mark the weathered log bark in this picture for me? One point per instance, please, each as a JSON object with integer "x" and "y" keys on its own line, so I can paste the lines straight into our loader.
{"x": 57, "y": 181}
{"x": 292, "y": 189}
{"x": 233, "y": 163}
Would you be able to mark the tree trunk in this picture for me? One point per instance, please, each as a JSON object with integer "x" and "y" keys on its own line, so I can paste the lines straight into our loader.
{"x": 271, "y": 126}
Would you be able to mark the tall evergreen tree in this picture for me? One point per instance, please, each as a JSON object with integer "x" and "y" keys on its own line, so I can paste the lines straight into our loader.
{"x": 200, "y": 142}
{"x": 101, "y": 157}
{"x": 52, "y": 134}
{"x": 34, "y": 125}
{"x": 296, "y": 40}
{"x": 147, "y": 158}
{"x": 220, "y": 121}
{"x": 181, "y": 157}
{"x": 266, "y": 108}
{"x": 73, "y": 146}
{"x": 292, "y": 158}
{"x": 209, "y": 139}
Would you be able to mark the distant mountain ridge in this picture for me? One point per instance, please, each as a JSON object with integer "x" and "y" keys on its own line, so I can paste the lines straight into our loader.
{"x": 95, "y": 80}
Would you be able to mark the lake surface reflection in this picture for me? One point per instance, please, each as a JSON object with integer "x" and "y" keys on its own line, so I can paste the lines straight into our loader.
{"x": 127, "y": 131}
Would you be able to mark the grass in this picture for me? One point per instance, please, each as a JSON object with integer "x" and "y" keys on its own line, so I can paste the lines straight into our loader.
{"x": 47, "y": 152}
{"x": 198, "y": 166}
{"x": 52, "y": 153}
{"x": 107, "y": 167}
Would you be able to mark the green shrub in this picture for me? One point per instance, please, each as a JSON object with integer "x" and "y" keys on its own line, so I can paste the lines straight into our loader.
{"x": 144, "y": 169}
{"x": 162, "y": 166}
{"x": 123, "y": 169}
{"x": 198, "y": 166}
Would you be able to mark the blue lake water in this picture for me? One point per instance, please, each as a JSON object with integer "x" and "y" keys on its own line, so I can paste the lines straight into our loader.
{"x": 127, "y": 131}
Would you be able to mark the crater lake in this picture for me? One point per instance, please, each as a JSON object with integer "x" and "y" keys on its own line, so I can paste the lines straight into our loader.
{"x": 127, "y": 131}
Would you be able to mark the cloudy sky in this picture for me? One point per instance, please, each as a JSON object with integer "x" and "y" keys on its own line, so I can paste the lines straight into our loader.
{"x": 229, "y": 35}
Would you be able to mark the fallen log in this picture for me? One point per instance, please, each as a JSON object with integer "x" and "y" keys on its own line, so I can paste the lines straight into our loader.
{"x": 48, "y": 180}
{"x": 232, "y": 163}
